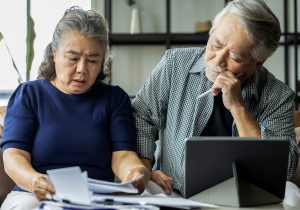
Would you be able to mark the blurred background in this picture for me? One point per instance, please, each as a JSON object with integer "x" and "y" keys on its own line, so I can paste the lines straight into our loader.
{"x": 141, "y": 31}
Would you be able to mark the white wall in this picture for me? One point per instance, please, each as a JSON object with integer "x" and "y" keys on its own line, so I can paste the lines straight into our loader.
{"x": 133, "y": 64}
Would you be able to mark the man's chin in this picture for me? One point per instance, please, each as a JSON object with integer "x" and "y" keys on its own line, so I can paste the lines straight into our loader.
{"x": 211, "y": 77}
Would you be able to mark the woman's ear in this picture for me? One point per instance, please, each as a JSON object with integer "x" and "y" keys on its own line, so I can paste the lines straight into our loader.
{"x": 54, "y": 55}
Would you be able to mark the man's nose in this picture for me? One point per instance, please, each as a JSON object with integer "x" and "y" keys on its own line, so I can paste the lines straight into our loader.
{"x": 221, "y": 58}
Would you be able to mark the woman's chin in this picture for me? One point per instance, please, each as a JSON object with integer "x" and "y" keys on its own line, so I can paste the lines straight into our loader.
{"x": 77, "y": 90}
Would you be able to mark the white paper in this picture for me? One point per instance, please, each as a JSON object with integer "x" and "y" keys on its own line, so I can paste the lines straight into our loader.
{"x": 292, "y": 195}
{"x": 104, "y": 187}
{"x": 159, "y": 198}
{"x": 49, "y": 205}
{"x": 70, "y": 185}
{"x": 73, "y": 185}
{"x": 153, "y": 200}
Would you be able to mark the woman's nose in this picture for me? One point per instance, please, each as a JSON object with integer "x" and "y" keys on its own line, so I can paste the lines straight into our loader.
{"x": 81, "y": 66}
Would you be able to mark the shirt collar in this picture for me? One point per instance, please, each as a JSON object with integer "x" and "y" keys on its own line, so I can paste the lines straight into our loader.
{"x": 251, "y": 85}
{"x": 199, "y": 63}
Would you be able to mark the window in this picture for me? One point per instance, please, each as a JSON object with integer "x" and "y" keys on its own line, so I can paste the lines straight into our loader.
{"x": 13, "y": 26}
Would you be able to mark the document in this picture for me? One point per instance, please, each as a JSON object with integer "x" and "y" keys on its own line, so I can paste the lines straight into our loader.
{"x": 154, "y": 195}
{"x": 50, "y": 205}
{"x": 104, "y": 187}
{"x": 70, "y": 185}
{"x": 74, "y": 186}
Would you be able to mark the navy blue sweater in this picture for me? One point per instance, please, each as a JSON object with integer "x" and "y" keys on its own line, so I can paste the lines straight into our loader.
{"x": 61, "y": 130}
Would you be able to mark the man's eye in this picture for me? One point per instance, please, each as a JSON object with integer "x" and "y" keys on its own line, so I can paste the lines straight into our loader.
{"x": 239, "y": 60}
{"x": 73, "y": 58}
{"x": 92, "y": 61}
{"x": 217, "y": 46}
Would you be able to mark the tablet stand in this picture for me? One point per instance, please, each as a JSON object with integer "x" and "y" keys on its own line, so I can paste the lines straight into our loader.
{"x": 236, "y": 192}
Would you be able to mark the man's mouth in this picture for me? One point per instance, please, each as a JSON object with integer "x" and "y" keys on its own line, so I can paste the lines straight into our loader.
{"x": 214, "y": 68}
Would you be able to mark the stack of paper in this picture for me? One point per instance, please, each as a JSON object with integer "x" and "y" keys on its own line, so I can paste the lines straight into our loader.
{"x": 99, "y": 186}
{"x": 73, "y": 186}
{"x": 50, "y": 205}
{"x": 154, "y": 195}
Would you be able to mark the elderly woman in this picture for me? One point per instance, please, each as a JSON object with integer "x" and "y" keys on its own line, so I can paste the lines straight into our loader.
{"x": 69, "y": 117}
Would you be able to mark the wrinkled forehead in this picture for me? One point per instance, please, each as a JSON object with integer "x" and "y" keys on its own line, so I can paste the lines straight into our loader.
{"x": 230, "y": 33}
{"x": 234, "y": 24}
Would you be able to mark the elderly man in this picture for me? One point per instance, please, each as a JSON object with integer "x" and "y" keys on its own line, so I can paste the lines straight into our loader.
{"x": 246, "y": 99}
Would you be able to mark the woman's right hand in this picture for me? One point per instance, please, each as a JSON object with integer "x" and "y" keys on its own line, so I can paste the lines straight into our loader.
{"x": 42, "y": 187}
{"x": 164, "y": 181}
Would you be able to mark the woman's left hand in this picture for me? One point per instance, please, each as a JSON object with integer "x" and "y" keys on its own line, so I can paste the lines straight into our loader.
{"x": 140, "y": 177}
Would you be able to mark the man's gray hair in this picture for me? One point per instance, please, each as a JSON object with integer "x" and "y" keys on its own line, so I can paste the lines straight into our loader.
{"x": 260, "y": 23}
{"x": 88, "y": 23}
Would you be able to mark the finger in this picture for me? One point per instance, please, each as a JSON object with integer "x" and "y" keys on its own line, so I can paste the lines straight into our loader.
{"x": 40, "y": 182}
{"x": 168, "y": 184}
{"x": 50, "y": 188}
{"x": 165, "y": 183}
{"x": 216, "y": 91}
{"x": 44, "y": 184}
{"x": 133, "y": 176}
{"x": 141, "y": 187}
{"x": 165, "y": 187}
{"x": 41, "y": 194}
{"x": 128, "y": 178}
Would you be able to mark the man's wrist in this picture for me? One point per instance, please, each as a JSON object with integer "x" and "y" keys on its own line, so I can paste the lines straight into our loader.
{"x": 237, "y": 109}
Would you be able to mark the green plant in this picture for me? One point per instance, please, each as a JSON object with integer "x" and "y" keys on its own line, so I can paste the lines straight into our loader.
{"x": 29, "y": 45}
{"x": 130, "y": 2}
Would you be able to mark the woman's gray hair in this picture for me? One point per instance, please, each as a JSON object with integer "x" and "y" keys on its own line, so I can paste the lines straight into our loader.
{"x": 88, "y": 23}
{"x": 262, "y": 26}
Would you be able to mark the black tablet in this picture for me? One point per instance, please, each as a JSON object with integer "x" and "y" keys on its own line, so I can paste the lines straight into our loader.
{"x": 237, "y": 171}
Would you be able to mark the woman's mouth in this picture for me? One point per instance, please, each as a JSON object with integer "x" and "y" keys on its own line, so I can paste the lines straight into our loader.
{"x": 79, "y": 82}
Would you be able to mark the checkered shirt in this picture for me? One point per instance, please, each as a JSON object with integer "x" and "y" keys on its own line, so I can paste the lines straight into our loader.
{"x": 168, "y": 102}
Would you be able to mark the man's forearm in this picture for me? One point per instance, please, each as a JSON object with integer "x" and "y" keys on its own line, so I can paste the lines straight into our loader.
{"x": 246, "y": 125}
